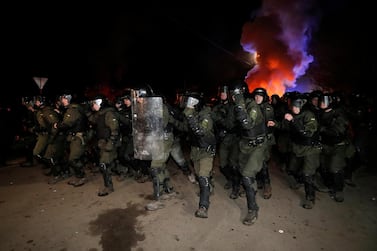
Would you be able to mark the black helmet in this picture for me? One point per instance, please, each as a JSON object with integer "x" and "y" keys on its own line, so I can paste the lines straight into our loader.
{"x": 41, "y": 99}
{"x": 194, "y": 99}
{"x": 261, "y": 92}
{"x": 315, "y": 94}
{"x": 239, "y": 87}
{"x": 99, "y": 100}
{"x": 66, "y": 95}
{"x": 223, "y": 89}
{"x": 298, "y": 103}
{"x": 27, "y": 101}
{"x": 325, "y": 101}
{"x": 126, "y": 94}
{"x": 118, "y": 100}
{"x": 275, "y": 98}
{"x": 143, "y": 91}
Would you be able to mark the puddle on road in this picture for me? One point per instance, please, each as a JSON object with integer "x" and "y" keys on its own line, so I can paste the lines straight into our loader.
{"x": 119, "y": 228}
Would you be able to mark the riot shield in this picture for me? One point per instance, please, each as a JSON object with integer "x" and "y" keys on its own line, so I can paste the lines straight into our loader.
{"x": 147, "y": 127}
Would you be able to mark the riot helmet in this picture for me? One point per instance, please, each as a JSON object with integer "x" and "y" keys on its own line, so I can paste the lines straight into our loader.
{"x": 314, "y": 97}
{"x": 126, "y": 94}
{"x": 118, "y": 100}
{"x": 315, "y": 94}
{"x": 260, "y": 92}
{"x": 239, "y": 87}
{"x": 194, "y": 99}
{"x": 27, "y": 101}
{"x": 66, "y": 95}
{"x": 39, "y": 100}
{"x": 325, "y": 101}
{"x": 298, "y": 102}
{"x": 141, "y": 92}
{"x": 275, "y": 99}
{"x": 98, "y": 102}
{"x": 289, "y": 97}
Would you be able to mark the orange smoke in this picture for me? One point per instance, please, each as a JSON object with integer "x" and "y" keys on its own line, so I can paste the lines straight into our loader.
{"x": 278, "y": 39}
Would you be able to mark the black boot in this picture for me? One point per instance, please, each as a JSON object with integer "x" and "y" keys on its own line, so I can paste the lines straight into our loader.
{"x": 236, "y": 185}
{"x": 204, "y": 186}
{"x": 252, "y": 206}
{"x": 168, "y": 188}
{"x": 78, "y": 168}
{"x": 338, "y": 186}
{"x": 187, "y": 171}
{"x": 185, "y": 168}
{"x": 122, "y": 169}
{"x": 309, "y": 192}
{"x": 266, "y": 181}
{"x": 157, "y": 190}
{"x": 107, "y": 180}
{"x": 156, "y": 183}
{"x": 144, "y": 166}
{"x": 227, "y": 172}
{"x": 292, "y": 180}
{"x": 349, "y": 170}
{"x": 56, "y": 173}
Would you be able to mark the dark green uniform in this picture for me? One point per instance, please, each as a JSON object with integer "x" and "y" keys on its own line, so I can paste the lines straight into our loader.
{"x": 304, "y": 159}
{"x": 74, "y": 125}
{"x": 203, "y": 148}
{"x": 106, "y": 122}
{"x": 263, "y": 176}
{"x": 28, "y": 137}
{"x": 158, "y": 170}
{"x": 253, "y": 147}
{"x": 227, "y": 141}
{"x": 333, "y": 132}
{"x": 55, "y": 150}
{"x": 42, "y": 131}
{"x": 126, "y": 149}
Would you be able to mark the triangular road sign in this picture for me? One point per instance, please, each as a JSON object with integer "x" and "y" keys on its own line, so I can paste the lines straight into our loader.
{"x": 40, "y": 81}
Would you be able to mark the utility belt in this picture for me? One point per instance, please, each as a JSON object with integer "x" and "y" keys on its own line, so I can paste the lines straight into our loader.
{"x": 256, "y": 141}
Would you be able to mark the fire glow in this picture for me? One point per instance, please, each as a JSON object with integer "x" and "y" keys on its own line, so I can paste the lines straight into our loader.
{"x": 277, "y": 40}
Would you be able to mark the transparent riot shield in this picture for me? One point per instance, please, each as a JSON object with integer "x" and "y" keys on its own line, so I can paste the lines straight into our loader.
{"x": 147, "y": 127}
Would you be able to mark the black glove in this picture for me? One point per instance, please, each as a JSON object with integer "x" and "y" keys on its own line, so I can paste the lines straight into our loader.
{"x": 240, "y": 113}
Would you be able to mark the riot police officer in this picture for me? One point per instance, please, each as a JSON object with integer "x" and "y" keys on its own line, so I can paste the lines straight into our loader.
{"x": 333, "y": 128}
{"x": 263, "y": 177}
{"x": 252, "y": 145}
{"x": 153, "y": 140}
{"x": 304, "y": 160}
{"x": 203, "y": 145}
{"x": 75, "y": 126}
{"x": 106, "y": 123}
{"x": 227, "y": 140}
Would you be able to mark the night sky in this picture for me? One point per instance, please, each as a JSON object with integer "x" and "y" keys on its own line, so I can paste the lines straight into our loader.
{"x": 79, "y": 48}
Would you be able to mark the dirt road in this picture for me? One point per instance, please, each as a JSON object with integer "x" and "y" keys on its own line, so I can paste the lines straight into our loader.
{"x": 38, "y": 216}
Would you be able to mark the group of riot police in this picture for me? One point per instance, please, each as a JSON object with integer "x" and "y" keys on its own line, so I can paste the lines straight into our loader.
{"x": 136, "y": 134}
